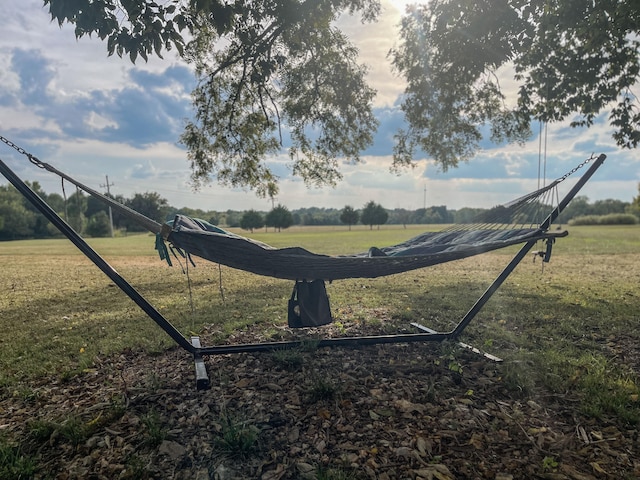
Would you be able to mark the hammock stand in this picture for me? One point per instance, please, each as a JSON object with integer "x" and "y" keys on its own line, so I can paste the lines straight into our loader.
{"x": 193, "y": 345}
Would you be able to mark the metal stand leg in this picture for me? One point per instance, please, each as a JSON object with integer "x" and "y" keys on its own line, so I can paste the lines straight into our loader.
{"x": 202, "y": 379}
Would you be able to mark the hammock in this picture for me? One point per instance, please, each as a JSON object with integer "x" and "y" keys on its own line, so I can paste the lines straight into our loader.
{"x": 519, "y": 221}
{"x": 295, "y": 263}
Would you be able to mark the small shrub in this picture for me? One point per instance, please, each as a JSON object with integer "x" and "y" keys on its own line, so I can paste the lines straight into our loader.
{"x": 322, "y": 388}
{"x": 14, "y": 464}
{"x": 135, "y": 469}
{"x": 40, "y": 430}
{"x": 155, "y": 432}
{"x": 517, "y": 377}
{"x": 610, "y": 219}
{"x": 325, "y": 473}
{"x": 288, "y": 359}
{"x": 74, "y": 430}
{"x": 237, "y": 437}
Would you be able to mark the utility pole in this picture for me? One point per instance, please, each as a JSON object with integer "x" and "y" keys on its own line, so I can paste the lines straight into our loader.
{"x": 425, "y": 198}
{"x": 107, "y": 185}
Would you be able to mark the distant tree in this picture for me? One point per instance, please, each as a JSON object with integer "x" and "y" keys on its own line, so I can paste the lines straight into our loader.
{"x": 42, "y": 227}
{"x": 99, "y": 225}
{"x": 94, "y": 206}
{"x": 634, "y": 207}
{"x": 373, "y": 214}
{"x": 437, "y": 214}
{"x": 76, "y": 209}
{"x": 400, "y": 216}
{"x": 578, "y": 207}
{"x": 608, "y": 206}
{"x": 466, "y": 214}
{"x": 214, "y": 218}
{"x": 56, "y": 202}
{"x": 280, "y": 217}
{"x": 149, "y": 204}
{"x": 18, "y": 221}
{"x": 349, "y": 216}
{"x": 251, "y": 220}
{"x": 119, "y": 220}
{"x": 232, "y": 218}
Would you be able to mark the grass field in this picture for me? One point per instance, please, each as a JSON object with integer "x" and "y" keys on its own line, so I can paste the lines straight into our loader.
{"x": 573, "y": 324}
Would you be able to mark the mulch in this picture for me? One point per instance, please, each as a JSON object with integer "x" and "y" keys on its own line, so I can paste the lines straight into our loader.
{"x": 406, "y": 411}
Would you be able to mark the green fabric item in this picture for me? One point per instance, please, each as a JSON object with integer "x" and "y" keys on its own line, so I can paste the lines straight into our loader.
{"x": 162, "y": 249}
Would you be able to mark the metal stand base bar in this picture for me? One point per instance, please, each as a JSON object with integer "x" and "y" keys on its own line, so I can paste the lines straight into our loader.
{"x": 462, "y": 344}
{"x": 325, "y": 342}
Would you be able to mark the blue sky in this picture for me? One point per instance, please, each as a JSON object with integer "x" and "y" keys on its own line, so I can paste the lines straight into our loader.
{"x": 91, "y": 116}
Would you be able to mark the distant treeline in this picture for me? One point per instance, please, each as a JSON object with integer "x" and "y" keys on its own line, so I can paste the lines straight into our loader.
{"x": 89, "y": 216}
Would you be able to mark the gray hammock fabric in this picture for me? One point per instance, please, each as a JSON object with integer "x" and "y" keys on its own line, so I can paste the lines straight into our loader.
{"x": 519, "y": 221}
{"x": 296, "y": 263}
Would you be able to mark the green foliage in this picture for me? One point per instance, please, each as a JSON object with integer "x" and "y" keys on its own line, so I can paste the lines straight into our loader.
{"x": 99, "y": 225}
{"x": 517, "y": 378}
{"x": 40, "y": 430}
{"x": 267, "y": 67}
{"x": 17, "y": 220}
{"x": 610, "y": 219}
{"x": 74, "y": 430}
{"x": 135, "y": 469}
{"x": 549, "y": 464}
{"x": 251, "y": 220}
{"x": 155, "y": 431}
{"x": 149, "y": 204}
{"x": 290, "y": 359}
{"x": 322, "y": 388}
{"x": 349, "y": 216}
{"x": 278, "y": 67}
{"x": 280, "y": 217}
{"x": 633, "y": 208}
{"x": 572, "y": 60}
{"x": 14, "y": 464}
{"x": 373, "y": 214}
{"x": 238, "y": 437}
{"x": 139, "y": 28}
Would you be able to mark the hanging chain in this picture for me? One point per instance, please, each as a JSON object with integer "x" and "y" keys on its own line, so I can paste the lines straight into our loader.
{"x": 32, "y": 158}
{"x": 575, "y": 169}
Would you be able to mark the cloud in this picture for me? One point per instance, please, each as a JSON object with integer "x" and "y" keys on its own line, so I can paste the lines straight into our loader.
{"x": 67, "y": 102}
{"x": 150, "y": 109}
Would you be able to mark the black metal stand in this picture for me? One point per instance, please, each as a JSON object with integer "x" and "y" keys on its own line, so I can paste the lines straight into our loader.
{"x": 199, "y": 351}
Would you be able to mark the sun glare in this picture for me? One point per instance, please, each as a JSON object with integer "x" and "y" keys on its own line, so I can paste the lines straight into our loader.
{"x": 401, "y": 5}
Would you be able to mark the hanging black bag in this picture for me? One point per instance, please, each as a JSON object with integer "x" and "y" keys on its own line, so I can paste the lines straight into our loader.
{"x": 309, "y": 305}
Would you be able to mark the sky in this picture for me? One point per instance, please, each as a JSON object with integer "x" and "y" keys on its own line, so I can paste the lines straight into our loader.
{"x": 93, "y": 116}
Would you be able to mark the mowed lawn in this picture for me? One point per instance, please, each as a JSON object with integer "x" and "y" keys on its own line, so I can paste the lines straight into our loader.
{"x": 574, "y": 319}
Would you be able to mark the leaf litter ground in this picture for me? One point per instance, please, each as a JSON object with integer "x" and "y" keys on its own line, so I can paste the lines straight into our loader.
{"x": 407, "y": 411}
